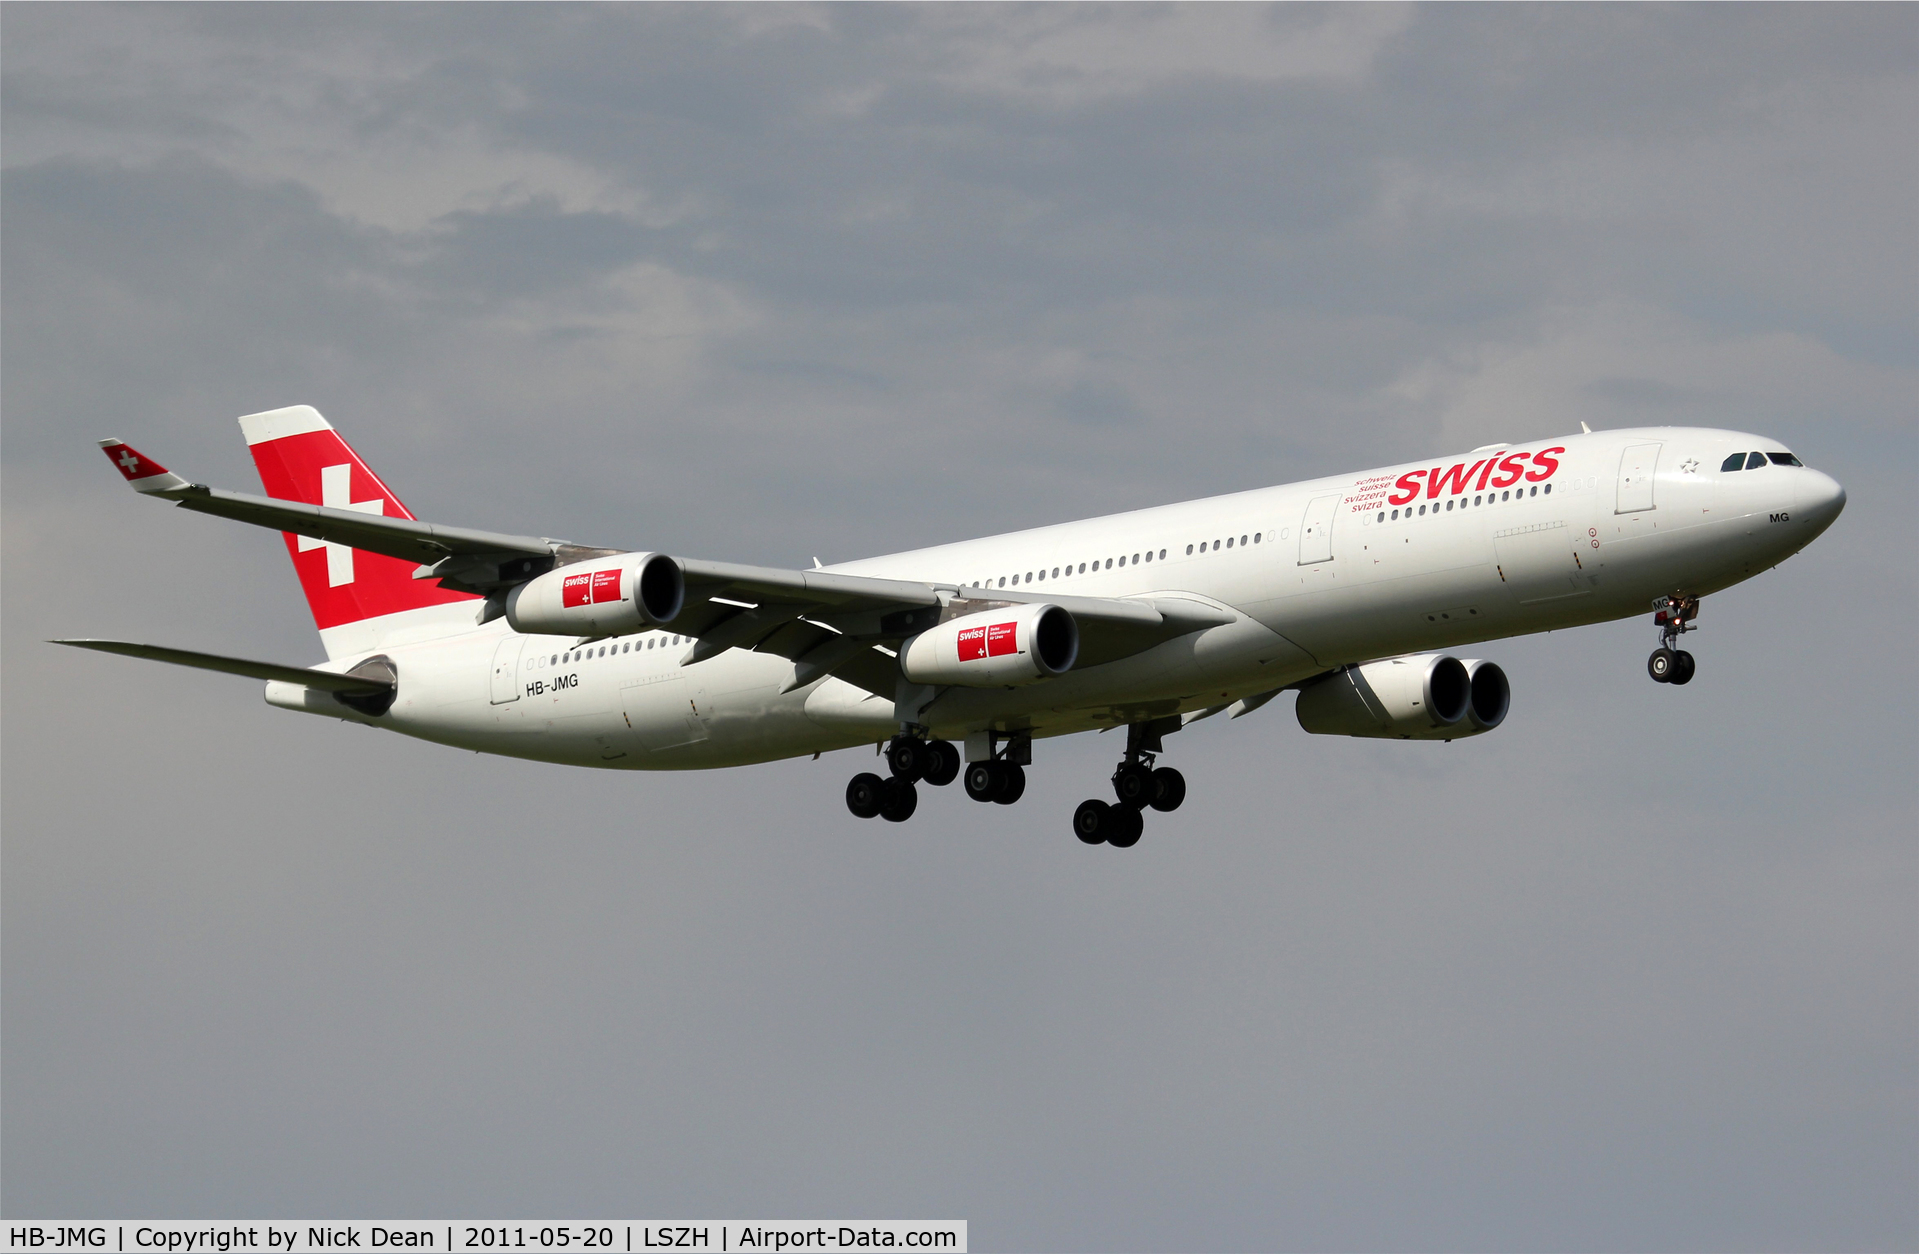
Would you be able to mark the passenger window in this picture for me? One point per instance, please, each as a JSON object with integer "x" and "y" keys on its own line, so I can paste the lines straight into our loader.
{"x": 1162, "y": 555}
{"x": 1755, "y": 460}
{"x": 1784, "y": 459}
{"x": 1215, "y": 546}
{"x": 1382, "y": 515}
{"x": 1736, "y": 462}
{"x": 1475, "y": 500}
{"x": 1422, "y": 511}
{"x": 1109, "y": 563}
{"x": 1189, "y": 550}
{"x": 1549, "y": 489}
{"x": 1242, "y": 542}
{"x": 1135, "y": 559}
{"x": 1255, "y": 537}
{"x": 1449, "y": 507}
{"x": 1056, "y": 572}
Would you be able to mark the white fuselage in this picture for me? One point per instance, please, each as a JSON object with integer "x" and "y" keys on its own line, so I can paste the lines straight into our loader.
{"x": 1317, "y": 575}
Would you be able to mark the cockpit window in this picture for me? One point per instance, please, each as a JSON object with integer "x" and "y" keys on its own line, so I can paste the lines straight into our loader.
{"x": 1784, "y": 459}
{"x": 1736, "y": 462}
{"x": 1755, "y": 460}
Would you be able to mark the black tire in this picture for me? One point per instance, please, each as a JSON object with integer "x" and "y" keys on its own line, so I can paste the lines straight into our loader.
{"x": 906, "y": 758}
{"x": 1127, "y": 827}
{"x": 982, "y": 780}
{"x": 1682, "y": 668}
{"x": 1012, "y": 784}
{"x": 942, "y": 763}
{"x": 1660, "y": 665}
{"x": 1133, "y": 785}
{"x": 864, "y": 794}
{"x": 1169, "y": 789}
{"x": 898, "y": 800}
{"x": 1091, "y": 821}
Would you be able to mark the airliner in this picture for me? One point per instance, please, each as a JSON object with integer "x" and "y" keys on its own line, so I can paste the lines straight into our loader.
{"x": 1355, "y": 591}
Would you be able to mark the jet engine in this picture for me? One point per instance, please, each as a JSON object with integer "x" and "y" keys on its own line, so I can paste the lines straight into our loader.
{"x": 1017, "y": 645}
{"x": 1492, "y": 696}
{"x": 1426, "y": 697}
{"x": 612, "y": 596}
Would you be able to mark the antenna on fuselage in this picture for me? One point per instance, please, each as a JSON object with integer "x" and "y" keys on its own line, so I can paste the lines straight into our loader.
{"x": 1582, "y": 426}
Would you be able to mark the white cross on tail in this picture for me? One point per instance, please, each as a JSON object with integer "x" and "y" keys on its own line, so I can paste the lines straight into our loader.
{"x": 336, "y": 485}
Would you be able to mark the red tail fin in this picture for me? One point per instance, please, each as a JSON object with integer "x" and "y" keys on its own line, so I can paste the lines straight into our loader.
{"x": 301, "y": 458}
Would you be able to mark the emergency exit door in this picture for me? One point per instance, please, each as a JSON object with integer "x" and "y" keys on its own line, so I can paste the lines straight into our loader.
{"x": 1636, "y": 467}
{"x": 1316, "y": 531}
{"x": 506, "y": 669}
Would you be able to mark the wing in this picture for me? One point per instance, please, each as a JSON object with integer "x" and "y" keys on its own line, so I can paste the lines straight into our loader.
{"x": 404, "y": 538}
{"x": 825, "y": 623}
{"x": 829, "y": 623}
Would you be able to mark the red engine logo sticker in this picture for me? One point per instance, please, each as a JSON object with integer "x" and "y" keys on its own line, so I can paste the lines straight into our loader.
{"x": 589, "y": 587}
{"x": 976, "y": 643}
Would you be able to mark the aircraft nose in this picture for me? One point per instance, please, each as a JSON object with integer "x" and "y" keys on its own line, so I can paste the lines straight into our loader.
{"x": 1823, "y": 497}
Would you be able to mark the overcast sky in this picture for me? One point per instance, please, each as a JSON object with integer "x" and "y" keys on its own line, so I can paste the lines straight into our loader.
{"x": 1640, "y": 970}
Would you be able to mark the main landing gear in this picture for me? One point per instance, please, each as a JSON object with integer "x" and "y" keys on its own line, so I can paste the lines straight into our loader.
{"x": 908, "y": 759}
{"x": 1137, "y": 785}
{"x": 1674, "y": 618}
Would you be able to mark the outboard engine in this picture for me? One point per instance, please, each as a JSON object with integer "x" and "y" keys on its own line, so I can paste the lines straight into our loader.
{"x": 610, "y": 596}
{"x": 1426, "y": 697}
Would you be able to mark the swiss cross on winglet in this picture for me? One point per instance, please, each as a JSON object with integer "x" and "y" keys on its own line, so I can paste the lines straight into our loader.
{"x": 145, "y": 474}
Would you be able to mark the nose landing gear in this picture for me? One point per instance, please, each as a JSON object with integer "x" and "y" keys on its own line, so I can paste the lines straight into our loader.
{"x": 1674, "y": 616}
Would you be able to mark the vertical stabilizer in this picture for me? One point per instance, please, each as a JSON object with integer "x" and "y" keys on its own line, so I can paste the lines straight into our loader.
{"x": 361, "y": 601}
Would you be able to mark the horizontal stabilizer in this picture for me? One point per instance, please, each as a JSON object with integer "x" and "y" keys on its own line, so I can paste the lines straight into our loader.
{"x": 326, "y": 681}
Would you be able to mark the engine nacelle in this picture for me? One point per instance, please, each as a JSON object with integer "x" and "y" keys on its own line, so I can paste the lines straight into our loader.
{"x": 1491, "y": 697}
{"x": 612, "y": 596}
{"x": 1017, "y": 645}
{"x": 1428, "y": 697}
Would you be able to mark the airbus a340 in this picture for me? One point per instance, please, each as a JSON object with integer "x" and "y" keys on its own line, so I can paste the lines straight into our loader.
{"x": 1354, "y": 590}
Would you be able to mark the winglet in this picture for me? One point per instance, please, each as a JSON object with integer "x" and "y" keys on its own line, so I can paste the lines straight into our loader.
{"x": 145, "y": 474}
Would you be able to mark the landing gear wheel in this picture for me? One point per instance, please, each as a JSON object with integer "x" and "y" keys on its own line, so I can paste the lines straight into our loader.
{"x": 1660, "y": 665}
{"x": 982, "y": 780}
{"x": 1092, "y": 820}
{"x": 898, "y": 800}
{"x": 1012, "y": 783}
{"x": 1169, "y": 789}
{"x": 864, "y": 795}
{"x": 1127, "y": 826}
{"x": 907, "y": 758}
{"x": 1682, "y": 667}
{"x": 1133, "y": 785}
{"x": 942, "y": 763}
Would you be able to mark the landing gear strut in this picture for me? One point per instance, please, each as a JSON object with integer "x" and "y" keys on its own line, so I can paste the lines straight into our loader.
{"x": 1137, "y": 784}
{"x": 1674, "y": 618}
{"x": 908, "y": 758}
